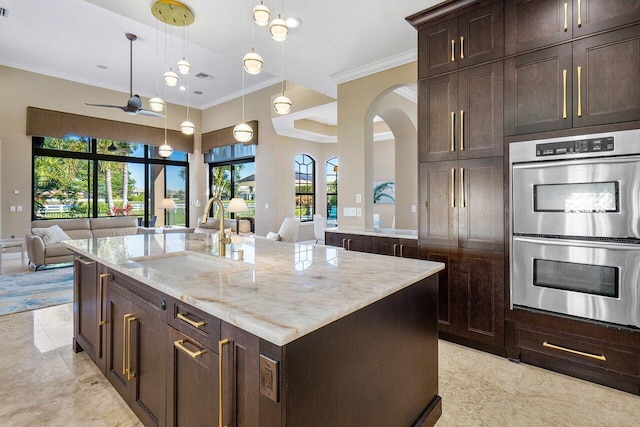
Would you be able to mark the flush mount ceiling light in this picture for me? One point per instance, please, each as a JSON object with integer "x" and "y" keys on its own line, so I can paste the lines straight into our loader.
{"x": 278, "y": 29}
{"x": 156, "y": 104}
{"x": 252, "y": 62}
{"x": 261, "y": 14}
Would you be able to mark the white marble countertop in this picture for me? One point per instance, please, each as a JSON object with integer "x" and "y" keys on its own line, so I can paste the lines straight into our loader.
{"x": 279, "y": 292}
{"x": 378, "y": 232}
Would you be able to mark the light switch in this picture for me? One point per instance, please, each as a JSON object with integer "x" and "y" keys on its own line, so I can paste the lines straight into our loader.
{"x": 349, "y": 211}
{"x": 12, "y": 209}
{"x": 413, "y": 208}
{"x": 359, "y": 212}
{"x": 16, "y": 191}
{"x": 358, "y": 199}
{"x": 266, "y": 205}
{"x": 19, "y": 208}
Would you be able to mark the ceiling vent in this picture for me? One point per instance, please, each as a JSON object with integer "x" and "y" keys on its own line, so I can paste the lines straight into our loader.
{"x": 204, "y": 76}
{"x": 3, "y": 11}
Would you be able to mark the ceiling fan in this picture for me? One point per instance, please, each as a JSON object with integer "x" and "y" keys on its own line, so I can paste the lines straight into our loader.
{"x": 134, "y": 104}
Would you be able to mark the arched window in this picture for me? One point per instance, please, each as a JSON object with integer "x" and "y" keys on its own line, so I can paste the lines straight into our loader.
{"x": 332, "y": 191}
{"x": 305, "y": 183}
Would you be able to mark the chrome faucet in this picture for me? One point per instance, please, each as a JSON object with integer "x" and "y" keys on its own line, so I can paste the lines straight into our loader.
{"x": 223, "y": 240}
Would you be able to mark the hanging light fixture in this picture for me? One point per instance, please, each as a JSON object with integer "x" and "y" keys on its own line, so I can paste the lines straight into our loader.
{"x": 278, "y": 29}
{"x": 242, "y": 132}
{"x": 156, "y": 103}
{"x": 252, "y": 62}
{"x": 261, "y": 14}
{"x": 170, "y": 78}
{"x": 187, "y": 127}
{"x": 282, "y": 104}
{"x": 173, "y": 12}
{"x": 183, "y": 65}
{"x": 165, "y": 150}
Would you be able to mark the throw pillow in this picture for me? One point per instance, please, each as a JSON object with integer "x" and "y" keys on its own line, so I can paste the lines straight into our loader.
{"x": 53, "y": 234}
{"x": 273, "y": 236}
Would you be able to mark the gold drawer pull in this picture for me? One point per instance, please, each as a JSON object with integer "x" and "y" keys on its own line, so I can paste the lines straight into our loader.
{"x": 221, "y": 345}
{"x": 461, "y": 130}
{"x": 125, "y": 370}
{"x": 395, "y": 248}
{"x": 462, "y": 198}
{"x": 194, "y": 354}
{"x": 453, "y": 132}
{"x": 453, "y": 189}
{"x": 579, "y": 13}
{"x": 566, "y": 24}
{"x": 85, "y": 262}
{"x": 183, "y": 317}
{"x": 579, "y": 91}
{"x": 100, "y": 291}
{"x": 564, "y": 94}
{"x": 453, "y": 50}
{"x": 599, "y": 357}
{"x": 461, "y": 47}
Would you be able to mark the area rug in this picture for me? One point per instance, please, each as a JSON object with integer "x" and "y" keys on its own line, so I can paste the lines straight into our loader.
{"x": 33, "y": 290}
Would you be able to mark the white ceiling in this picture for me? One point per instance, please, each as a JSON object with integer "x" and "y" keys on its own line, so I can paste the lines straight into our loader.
{"x": 337, "y": 41}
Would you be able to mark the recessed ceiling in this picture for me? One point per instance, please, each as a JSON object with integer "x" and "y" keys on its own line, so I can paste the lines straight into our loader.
{"x": 76, "y": 40}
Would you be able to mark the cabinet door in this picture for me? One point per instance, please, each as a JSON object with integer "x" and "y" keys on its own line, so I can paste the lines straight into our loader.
{"x": 359, "y": 243}
{"x": 240, "y": 355}
{"x": 148, "y": 366}
{"x": 438, "y": 215}
{"x": 607, "y": 78}
{"x": 530, "y": 24}
{"x": 481, "y": 207}
{"x": 437, "y": 108}
{"x": 448, "y": 305}
{"x": 119, "y": 309}
{"x": 192, "y": 398}
{"x": 481, "y": 292}
{"x": 88, "y": 306}
{"x": 333, "y": 239}
{"x": 409, "y": 248}
{"x": 481, "y": 34}
{"x": 538, "y": 91}
{"x": 438, "y": 48}
{"x": 480, "y": 110}
{"x": 385, "y": 246}
{"x": 597, "y": 15}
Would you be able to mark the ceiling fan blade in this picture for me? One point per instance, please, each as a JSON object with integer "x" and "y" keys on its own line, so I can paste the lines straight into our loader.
{"x": 108, "y": 106}
{"x": 149, "y": 113}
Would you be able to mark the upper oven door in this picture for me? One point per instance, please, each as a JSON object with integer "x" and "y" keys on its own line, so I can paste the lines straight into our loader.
{"x": 585, "y": 197}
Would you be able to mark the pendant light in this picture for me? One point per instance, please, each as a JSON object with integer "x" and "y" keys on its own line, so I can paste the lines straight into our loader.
{"x": 278, "y": 29}
{"x": 261, "y": 14}
{"x": 156, "y": 103}
{"x": 187, "y": 127}
{"x": 165, "y": 150}
{"x": 252, "y": 62}
{"x": 170, "y": 78}
{"x": 242, "y": 132}
{"x": 282, "y": 104}
{"x": 183, "y": 65}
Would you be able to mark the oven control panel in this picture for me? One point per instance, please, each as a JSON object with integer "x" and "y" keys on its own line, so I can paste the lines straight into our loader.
{"x": 593, "y": 145}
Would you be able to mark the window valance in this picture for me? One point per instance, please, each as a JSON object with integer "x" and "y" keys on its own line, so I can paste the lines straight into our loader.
{"x": 56, "y": 124}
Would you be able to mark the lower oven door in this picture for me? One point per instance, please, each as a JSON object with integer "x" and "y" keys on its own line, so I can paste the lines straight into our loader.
{"x": 593, "y": 280}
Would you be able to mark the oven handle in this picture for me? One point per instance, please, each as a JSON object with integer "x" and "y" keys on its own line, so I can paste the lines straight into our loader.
{"x": 580, "y": 161}
{"x": 577, "y": 243}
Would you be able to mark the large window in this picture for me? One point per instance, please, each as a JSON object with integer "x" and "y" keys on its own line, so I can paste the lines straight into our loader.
{"x": 78, "y": 177}
{"x": 232, "y": 174}
{"x": 305, "y": 184}
{"x": 332, "y": 191}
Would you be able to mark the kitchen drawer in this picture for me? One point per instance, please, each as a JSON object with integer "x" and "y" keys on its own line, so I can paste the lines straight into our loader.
{"x": 196, "y": 324}
{"x": 572, "y": 348}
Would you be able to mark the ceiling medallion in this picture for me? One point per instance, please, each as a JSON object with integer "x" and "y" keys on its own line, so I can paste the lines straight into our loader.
{"x": 172, "y": 12}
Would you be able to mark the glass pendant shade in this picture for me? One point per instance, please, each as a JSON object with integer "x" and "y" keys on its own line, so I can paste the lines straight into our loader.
{"x": 278, "y": 29}
{"x": 170, "y": 78}
{"x": 184, "y": 66}
{"x": 165, "y": 150}
{"x": 261, "y": 14}
{"x": 242, "y": 132}
{"x": 252, "y": 62}
{"x": 282, "y": 105}
{"x": 187, "y": 127}
{"x": 156, "y": 104}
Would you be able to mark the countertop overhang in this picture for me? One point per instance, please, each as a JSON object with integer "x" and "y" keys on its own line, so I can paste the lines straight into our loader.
{"x": 279, "y": 291}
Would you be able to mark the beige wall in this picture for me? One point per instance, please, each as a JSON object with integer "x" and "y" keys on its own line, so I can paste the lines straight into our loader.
{"x": 21, "y": 89}
{"x": 357, "y": 105}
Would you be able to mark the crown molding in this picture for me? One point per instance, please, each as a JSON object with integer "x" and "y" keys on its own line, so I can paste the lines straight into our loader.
{"x": 377, "y": 66}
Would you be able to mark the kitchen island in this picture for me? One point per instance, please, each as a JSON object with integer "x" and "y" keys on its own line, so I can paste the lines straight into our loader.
{"x": 271, "y": 334}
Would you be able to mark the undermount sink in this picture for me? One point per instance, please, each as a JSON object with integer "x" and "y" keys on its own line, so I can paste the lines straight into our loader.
{"x": 181, "y": 264}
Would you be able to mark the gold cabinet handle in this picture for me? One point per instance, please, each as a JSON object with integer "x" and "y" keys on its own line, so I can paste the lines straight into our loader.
{"x": 453, "y": 132}
{"x": 130, "y": 373}
{"x": 462, "y": 199}
{"x": 564, "y": 94}
{"x": 579, "y": 91}
{"x": 453, "y": 184}
{"x": 566, "y": 23}
{"x": 401, "y": 251}
{"x": 194, "y": 354}
{"x": 579, "y": 13}
{"x": 453, "y": 50}
{"x": 125, "y": 371}
{"x": 461, "y": 47}
{"x": 395, "y": 246}
{"x": 343, "y": 242}
{"x": 85, "y": 262}
{"x": 600, "y": 357}
{"x": 221, "y": 344}
{"x": 348, "y": 244}
{"x": 184, "y": 318}
{"x": 461, "y": 130}
{"x": 101, "y": 321}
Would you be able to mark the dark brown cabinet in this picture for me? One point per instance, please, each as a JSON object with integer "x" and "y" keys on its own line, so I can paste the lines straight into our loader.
{"x": 473, "y": 36}
{"x": 351, "y": 242}
{"x": 88, "y": 310}
{"x": 136, "y": 361}
{"x": 531, "y": 24}
{"x": 405, "y": 248}
{"x": 589, "y": 82}
{"x": 192, "y": 398}
{"x": 462, "y": 114}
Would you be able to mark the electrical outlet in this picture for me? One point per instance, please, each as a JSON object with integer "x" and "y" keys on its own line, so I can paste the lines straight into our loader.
{"x": 358, "y": 198}
{"x": 269, "y": 378}
{"x": 266, "y": 205}
{"x": 359, "y": 212}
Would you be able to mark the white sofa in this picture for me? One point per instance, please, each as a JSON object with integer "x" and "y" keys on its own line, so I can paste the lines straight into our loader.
{"x": 213, "y": 225}
{"x": 43, "y": 250}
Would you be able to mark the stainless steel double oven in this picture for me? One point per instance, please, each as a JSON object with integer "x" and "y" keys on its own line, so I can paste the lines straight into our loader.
{"x": 575, "y": 226}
